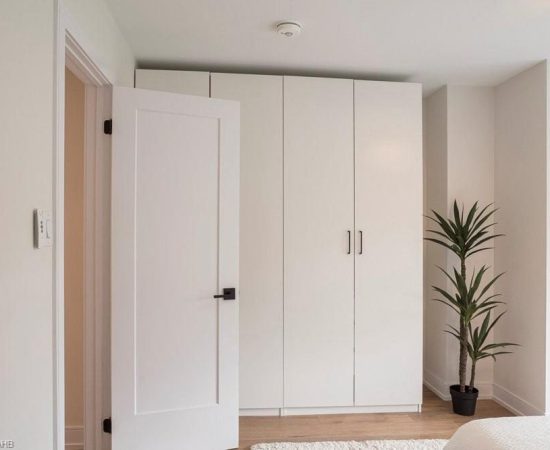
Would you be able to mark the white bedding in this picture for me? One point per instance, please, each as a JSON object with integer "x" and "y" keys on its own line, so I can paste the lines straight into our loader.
{"x": 506, "y": 433}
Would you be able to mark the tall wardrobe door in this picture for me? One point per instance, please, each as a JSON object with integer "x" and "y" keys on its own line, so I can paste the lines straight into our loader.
{"x": 261, "y": 235}
{"x": 318, "y": 228}
{"x": 388, "y": 277}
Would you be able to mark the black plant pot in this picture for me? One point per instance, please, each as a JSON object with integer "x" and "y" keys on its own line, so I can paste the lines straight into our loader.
{"x": 464, "y": 403}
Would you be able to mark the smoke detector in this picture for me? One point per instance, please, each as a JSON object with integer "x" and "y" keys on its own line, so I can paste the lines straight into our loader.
{"x": 289, "y": 29}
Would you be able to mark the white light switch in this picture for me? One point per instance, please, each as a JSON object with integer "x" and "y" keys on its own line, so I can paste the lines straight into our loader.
{"x": 43, "y": 229}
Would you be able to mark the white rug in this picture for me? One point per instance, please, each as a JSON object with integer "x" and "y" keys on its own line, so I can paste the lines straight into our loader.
{"x": 419, "y": 444}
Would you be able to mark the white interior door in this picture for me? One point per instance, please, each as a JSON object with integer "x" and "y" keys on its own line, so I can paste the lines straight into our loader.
{"x": 175, "y": 233}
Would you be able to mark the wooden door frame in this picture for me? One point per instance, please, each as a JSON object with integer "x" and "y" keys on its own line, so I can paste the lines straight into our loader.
{"x": 69, "y": 53}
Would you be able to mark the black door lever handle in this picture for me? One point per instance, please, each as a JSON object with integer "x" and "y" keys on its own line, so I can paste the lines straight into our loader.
{"x": 228, "y": 294}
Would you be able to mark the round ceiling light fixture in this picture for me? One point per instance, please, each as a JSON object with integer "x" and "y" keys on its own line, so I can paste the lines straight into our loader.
{"x": 289, "y": 29}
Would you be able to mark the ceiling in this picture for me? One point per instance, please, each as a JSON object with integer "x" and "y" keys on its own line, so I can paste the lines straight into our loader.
{"x": 472, "y": 42}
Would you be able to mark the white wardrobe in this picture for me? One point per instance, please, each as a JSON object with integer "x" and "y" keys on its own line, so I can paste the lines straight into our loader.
{"x": 331, "y": 239}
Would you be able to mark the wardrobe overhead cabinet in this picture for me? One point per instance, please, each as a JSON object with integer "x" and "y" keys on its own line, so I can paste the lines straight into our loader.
{"x": 330, "y": 239}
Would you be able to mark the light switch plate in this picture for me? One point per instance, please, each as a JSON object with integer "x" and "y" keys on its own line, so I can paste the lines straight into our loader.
{"x": 43, "y": 228}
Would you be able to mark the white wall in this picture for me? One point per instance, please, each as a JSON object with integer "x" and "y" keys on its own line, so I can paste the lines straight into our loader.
{"x": 470, "y": 159}
{"x": 92, "y": 24}
{"x": 491, "y": 144}
{"x": 26, "y": 155}
{"x": 459, "y": 161}
{"x": 436, "y": 344}
{"x": 26, "y": 82}
{"x": 521, "y": 194}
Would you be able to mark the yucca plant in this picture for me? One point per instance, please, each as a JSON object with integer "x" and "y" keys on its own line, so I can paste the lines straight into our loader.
{"x": 466, "y": 235}
{"x": 476, "y": 344}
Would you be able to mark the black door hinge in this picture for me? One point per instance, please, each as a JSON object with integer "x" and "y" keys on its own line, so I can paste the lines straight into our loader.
{"x": 108, "y": 126}
{"x": 107, "y": 425}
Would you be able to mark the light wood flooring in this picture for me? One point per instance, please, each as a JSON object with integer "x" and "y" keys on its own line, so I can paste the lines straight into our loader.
{"x": 436, "y": 421}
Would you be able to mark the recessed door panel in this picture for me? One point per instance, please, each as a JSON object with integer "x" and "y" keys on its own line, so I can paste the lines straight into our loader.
{"x": 177, "y": 164}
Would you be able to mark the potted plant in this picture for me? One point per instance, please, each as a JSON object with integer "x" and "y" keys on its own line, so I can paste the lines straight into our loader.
{"x": 471, "y": 298}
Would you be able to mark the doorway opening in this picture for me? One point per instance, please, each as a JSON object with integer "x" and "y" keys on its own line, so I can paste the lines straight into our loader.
{"x": 74, "y": 261}
{"x": 82, "y": 216}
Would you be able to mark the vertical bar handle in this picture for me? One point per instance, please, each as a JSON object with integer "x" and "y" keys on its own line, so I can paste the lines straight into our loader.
{"x": 349, "y": 242}
{"x": 360, "y": 242}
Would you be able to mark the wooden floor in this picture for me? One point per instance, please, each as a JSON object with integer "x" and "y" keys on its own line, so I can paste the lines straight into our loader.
{"x": 435, "y": 421}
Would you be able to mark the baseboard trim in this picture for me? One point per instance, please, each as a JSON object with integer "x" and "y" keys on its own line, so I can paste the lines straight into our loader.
{"x": 441, "y": 388}
{"x": 299, "y": 411}
{"x": 74, "y": 437}
{"x": 514, "y": 403}
{"x": 488, "y": 391}
{"x": 259, "y": 412}
{"x": 350, "y": 410}
{"x": 74, "y": 446}
{"x": 437, "y": 385}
